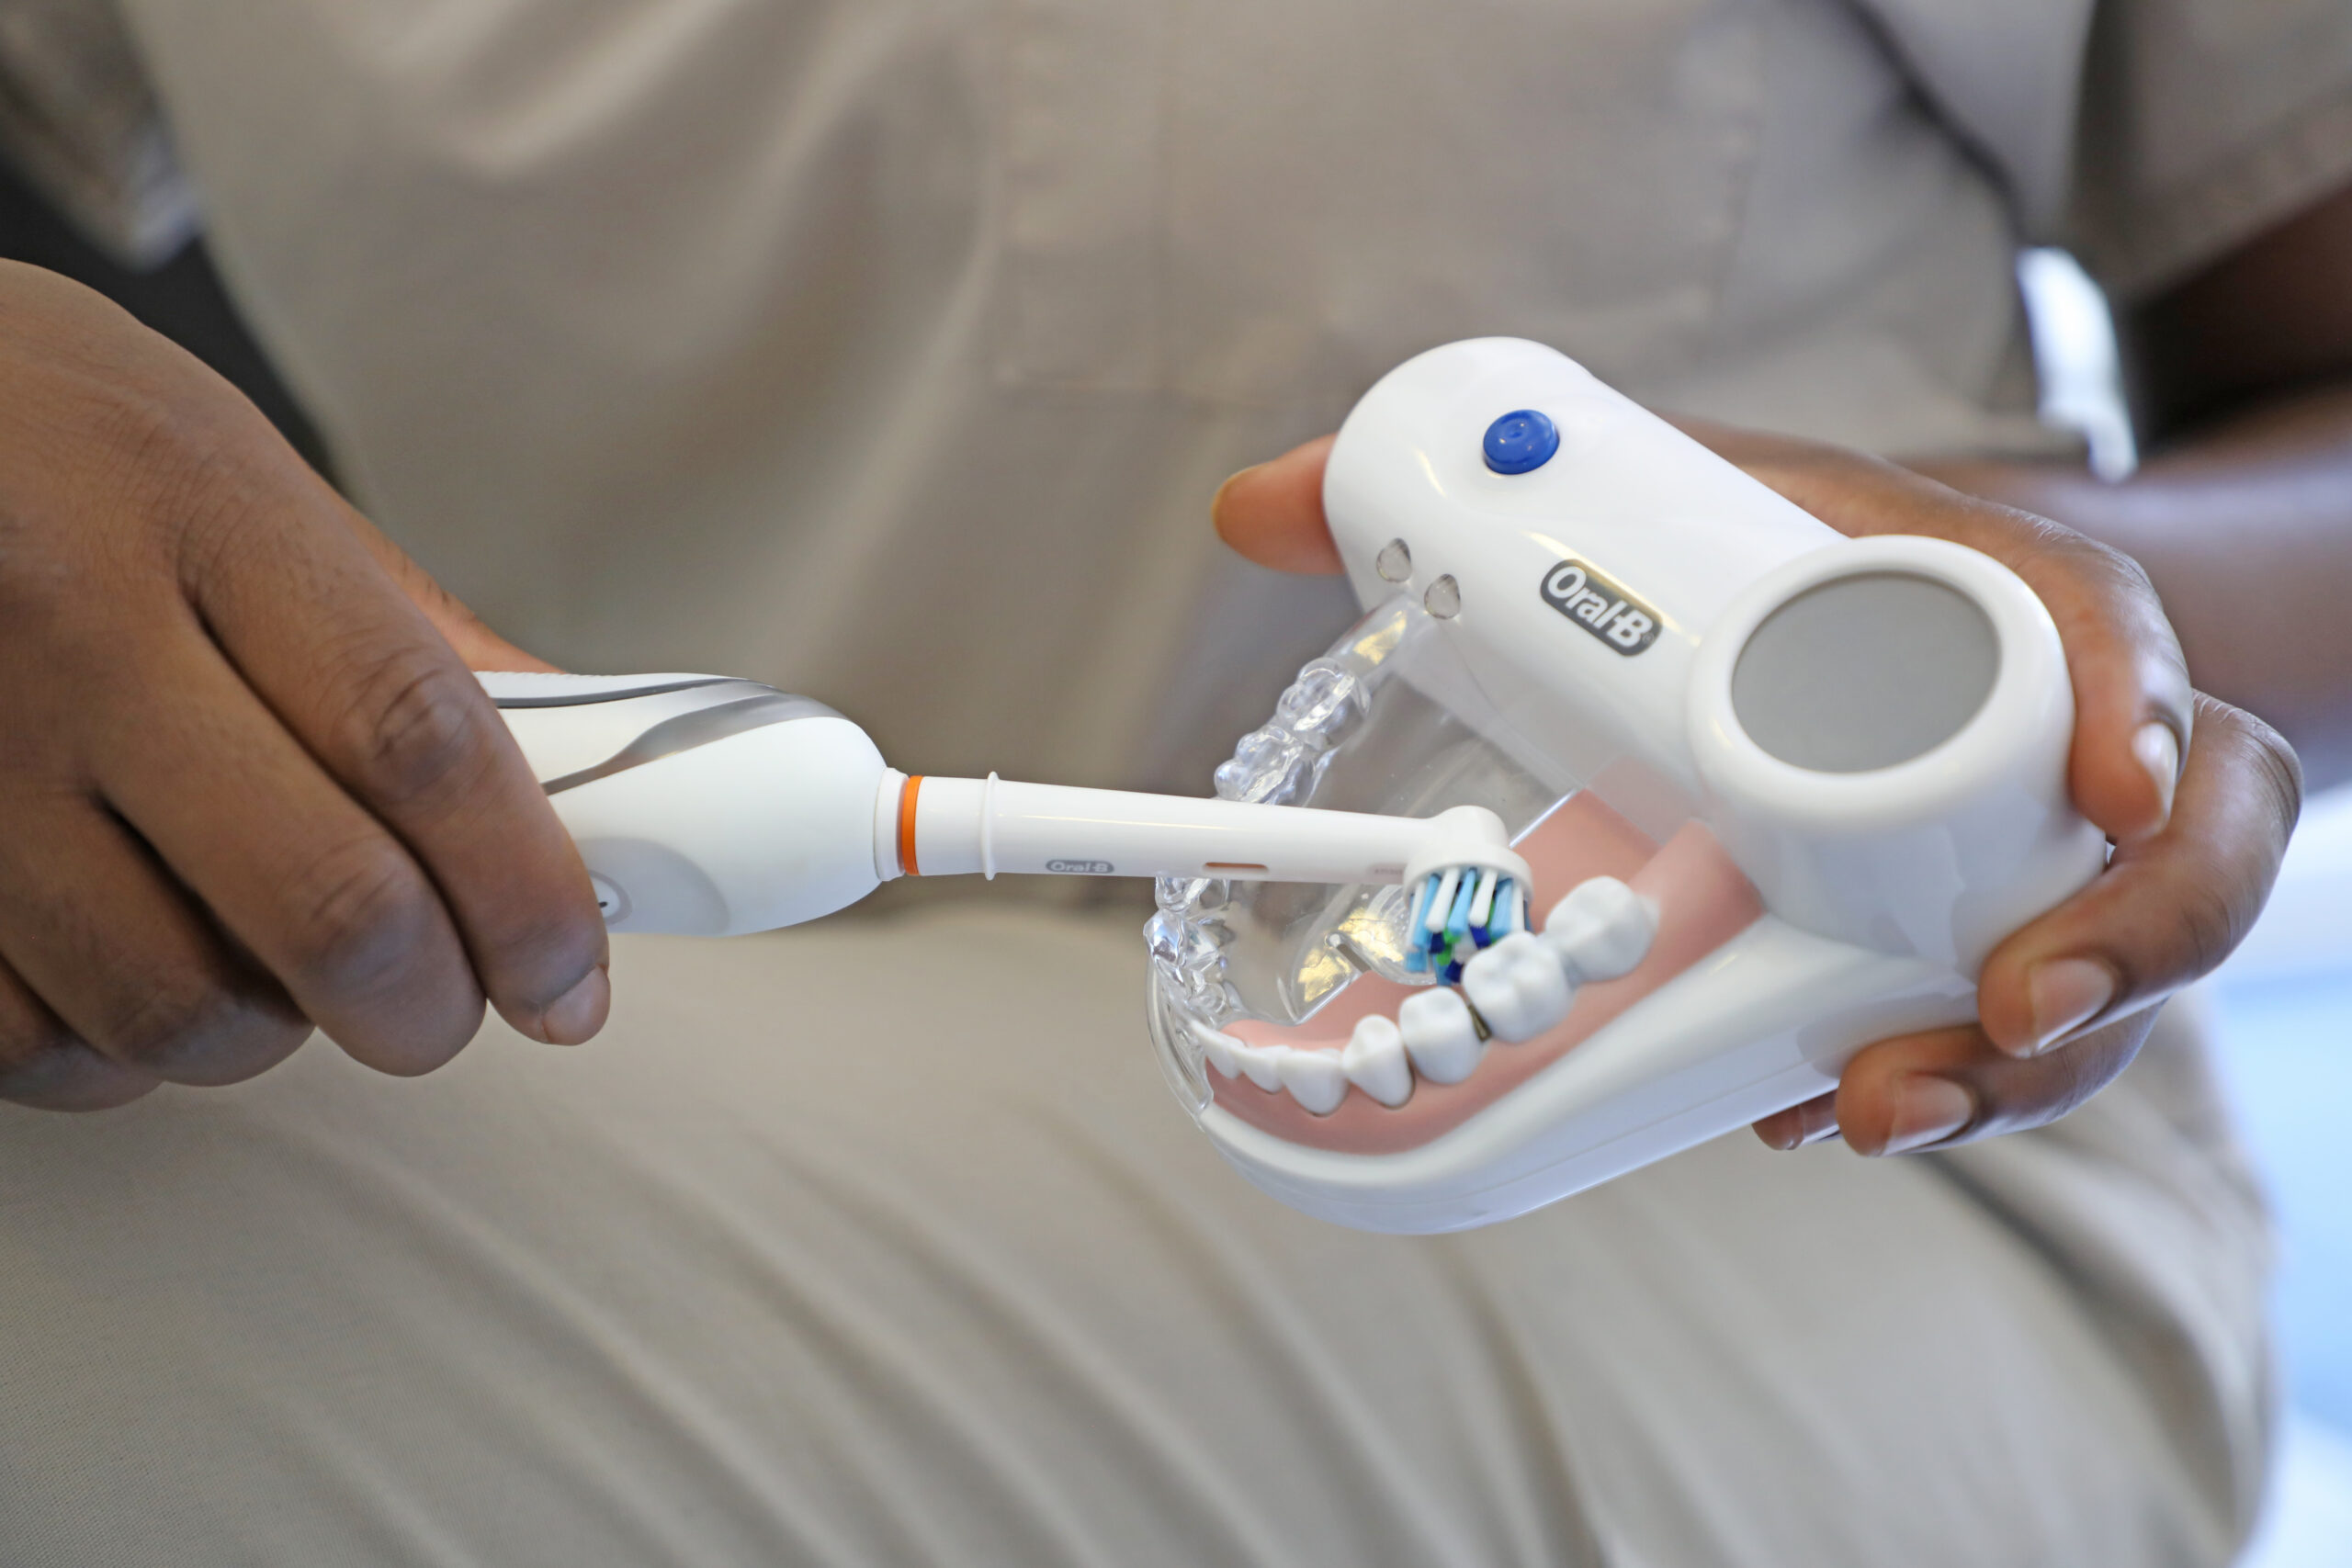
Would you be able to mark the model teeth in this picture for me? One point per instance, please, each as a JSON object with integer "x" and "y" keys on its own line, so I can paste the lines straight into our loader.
{"x": 1375, "y": 1060}
{"x": 1441, "y": 1036}
{"x": 1520, "y": 986}
{"x": 1262, "y": 1065}
{"x": 1601, "y": 929}
{"x": 1316, "y": 1080}
{"x": 1223, "y": 1051}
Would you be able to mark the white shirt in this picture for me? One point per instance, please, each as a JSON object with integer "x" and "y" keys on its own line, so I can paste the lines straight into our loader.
{"x": 892, "y": 350}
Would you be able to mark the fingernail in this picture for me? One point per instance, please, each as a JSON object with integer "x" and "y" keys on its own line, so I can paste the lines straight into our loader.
{"x": 2158, "y": 749}
{"x": 2066, "y": 993}
{"x": 1817, "y": 1120}
{"x": 577, "y": 1014}
{"x": 1927, "y": 1110}
{"x": 1217, "y": 501}
{"x": 1800, "y": 1126}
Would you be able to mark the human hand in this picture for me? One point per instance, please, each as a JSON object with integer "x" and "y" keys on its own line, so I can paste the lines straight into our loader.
{"x": 2199, "y": 798}
{"x": 247, "y": 783}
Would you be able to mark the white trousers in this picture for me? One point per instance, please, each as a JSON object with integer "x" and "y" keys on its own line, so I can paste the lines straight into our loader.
{"x": 882, "y": 1243}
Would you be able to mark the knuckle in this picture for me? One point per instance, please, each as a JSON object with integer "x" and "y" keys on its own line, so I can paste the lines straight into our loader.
{"x": 2124, "y": 573}
{"x": 422, "y": 741}
{"x": 159, "y": 1023}
{"x": 2278, "y": 772}
{"x": 2208, "y": 926}
{"x": 365, "y": 911}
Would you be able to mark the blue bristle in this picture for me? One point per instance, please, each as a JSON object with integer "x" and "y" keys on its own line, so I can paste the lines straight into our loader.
{"x": 1417, "y": 936}
{"x": 1441, "y": 951}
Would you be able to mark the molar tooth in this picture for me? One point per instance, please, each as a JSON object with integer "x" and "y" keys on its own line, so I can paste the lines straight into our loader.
{"x": 1601, "y": 929}
{"x": 1519, "y": 986}
{"x": 1375, "y": 1060}
{"x": 1440, "y": 1035}
{"x": 1314, "y": 1079}
{"x": 1263, "y": 1065}
{"x": 1223, "y": 1051}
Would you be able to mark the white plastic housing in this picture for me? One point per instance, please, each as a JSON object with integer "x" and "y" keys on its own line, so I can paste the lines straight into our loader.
{"x": 719, "y": 806}
{"x": 1940, "y": 856}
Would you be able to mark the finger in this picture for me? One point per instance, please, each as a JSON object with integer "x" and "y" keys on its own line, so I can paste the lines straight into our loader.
{"x": 98, "y": 931}
{"x": 1274, "y": 514}
{"x": 1951, "y": 1086}
{"x": 358, "y": 674}
{"x": 2167, "y": 909}
{"x": 2133, "y": 707}
{"x": 1799, "y": 1126}
{"x": 307, "y": 880}
{"x": 43, "y": 1066}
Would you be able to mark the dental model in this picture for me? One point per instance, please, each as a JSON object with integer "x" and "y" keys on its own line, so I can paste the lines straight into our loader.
{"x": 1777, "y": 792}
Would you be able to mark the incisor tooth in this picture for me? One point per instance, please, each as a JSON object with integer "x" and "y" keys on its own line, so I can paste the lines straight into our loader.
{"x": 1314, "y": 1079}
{"x": 1375, "y": 1060}
{"x": 1439, "y": 1035}
{"x": 1223, "y": 1051}
{"x": 1601, "y": 929}
{"x": 1264, "y": 1065}
{"x": 1519, "y": 986}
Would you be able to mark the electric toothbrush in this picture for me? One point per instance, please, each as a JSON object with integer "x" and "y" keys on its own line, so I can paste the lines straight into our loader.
{"x": 709, "y": 805}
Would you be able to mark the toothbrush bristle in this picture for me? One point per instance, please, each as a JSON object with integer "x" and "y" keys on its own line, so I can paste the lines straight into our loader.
{"x": 1457, "y": 919}
{"x": 1441, "y": 901}
{"x": 1456, "y": 913}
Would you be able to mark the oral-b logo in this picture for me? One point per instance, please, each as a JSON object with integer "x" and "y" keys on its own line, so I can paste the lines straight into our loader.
{"x": 1621, "y": 621}
{"x": 1081, "y": 867}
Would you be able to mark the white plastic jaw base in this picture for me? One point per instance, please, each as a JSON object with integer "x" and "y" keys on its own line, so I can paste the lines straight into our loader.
{"x": 1765, "y": 1023}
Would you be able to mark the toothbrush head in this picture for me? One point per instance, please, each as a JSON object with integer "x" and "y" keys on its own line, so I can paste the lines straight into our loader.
{"x": 1469, "y": 893}
{"x": 1458, "y": 913}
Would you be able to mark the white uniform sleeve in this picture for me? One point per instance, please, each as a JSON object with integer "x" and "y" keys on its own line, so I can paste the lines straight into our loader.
{"x": 2204, "y": 122}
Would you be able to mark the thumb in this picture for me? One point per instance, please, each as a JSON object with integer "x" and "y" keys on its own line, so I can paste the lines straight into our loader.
{"x": 464, "y": 631}
{"x": 1274, "y": 514}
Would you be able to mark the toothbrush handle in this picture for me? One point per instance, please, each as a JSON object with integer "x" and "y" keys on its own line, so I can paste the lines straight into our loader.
{"x": 960, "y": 826}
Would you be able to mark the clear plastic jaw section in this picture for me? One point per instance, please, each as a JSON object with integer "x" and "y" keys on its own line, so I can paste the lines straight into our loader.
{"x": 1376, "y": 723}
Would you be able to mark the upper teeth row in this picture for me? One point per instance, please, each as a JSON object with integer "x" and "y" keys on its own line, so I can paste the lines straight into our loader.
{"x": 1516, "y": 990}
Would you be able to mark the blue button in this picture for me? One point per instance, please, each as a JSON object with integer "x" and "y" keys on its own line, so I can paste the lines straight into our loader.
{"x": 1520, "y": 442}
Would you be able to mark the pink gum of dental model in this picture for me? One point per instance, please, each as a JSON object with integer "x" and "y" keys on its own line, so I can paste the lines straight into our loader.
{"x": 1703, "y": 901}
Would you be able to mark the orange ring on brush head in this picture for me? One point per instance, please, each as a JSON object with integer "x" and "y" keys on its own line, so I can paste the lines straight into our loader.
{"x": 906, "y": 794}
